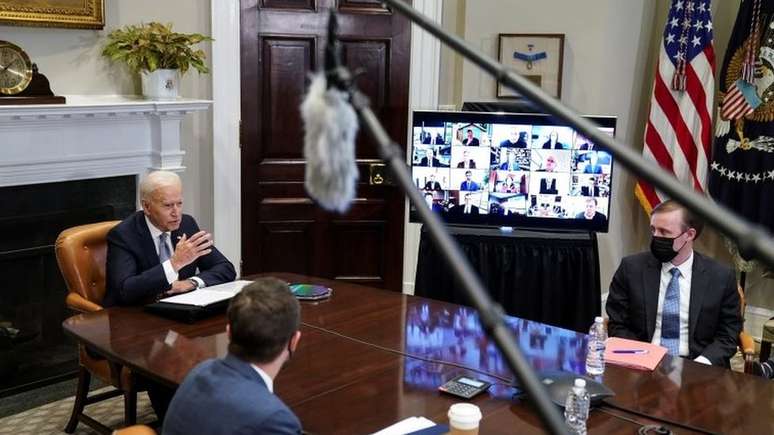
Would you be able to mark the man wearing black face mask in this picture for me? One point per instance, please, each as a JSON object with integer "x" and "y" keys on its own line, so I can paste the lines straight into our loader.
{"x": 236, "y": 394}
{"x": 675, "y": 297}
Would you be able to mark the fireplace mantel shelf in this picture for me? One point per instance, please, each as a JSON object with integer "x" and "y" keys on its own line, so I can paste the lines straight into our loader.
{"x": 107, "y": 105}
{"x": 92, "y": 136}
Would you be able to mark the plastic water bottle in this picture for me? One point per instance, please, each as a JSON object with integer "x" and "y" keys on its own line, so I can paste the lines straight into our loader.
{"x": 576, "y": 408}
{"x": 595, "y": 356}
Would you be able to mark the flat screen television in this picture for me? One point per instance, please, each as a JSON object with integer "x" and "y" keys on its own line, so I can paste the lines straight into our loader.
{"x": 511, "y": 170}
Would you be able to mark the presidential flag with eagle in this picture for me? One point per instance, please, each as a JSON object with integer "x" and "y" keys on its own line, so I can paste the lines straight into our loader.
{"x": 742, "y": 168}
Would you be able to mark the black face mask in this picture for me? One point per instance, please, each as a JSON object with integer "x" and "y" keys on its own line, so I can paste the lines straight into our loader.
{"x": 662, "y": 248}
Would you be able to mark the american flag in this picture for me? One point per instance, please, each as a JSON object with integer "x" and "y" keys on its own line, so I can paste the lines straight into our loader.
{"x": 678, "y": 135}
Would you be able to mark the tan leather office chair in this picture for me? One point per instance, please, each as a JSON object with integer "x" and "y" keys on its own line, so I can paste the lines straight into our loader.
{"x": 746, "y": 343}
{"x": 139, "y": 429}
{"x": 81, "y": 252}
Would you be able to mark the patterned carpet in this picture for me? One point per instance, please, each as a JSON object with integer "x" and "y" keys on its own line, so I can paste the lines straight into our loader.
{"x": 51, "y": 418}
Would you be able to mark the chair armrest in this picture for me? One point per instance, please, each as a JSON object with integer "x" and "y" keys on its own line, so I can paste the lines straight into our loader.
{"x": 746, "y": 343}
{"x": 78, "y": 303}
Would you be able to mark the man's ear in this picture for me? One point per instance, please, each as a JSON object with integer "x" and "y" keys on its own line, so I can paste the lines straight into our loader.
{"x": 691, "y": 233}
{"x": 228, "y": 331}
{"x": 145, "y": 206}
{"x": 294, "y": 340}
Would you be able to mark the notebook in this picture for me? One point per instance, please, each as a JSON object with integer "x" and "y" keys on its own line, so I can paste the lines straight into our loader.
{"x": 198, "y": 304}
{"x": 634, "y": 354}
{"x": 207, "y": 295}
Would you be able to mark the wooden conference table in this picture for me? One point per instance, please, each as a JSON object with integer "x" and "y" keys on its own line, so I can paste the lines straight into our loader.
{"x": 369, "y": 358}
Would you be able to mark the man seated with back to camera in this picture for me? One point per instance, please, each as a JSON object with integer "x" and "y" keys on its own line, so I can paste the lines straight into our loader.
{"x": 236, "y": 394}
{"x": 157, "y": 251}
{"x": 674, "y": 296}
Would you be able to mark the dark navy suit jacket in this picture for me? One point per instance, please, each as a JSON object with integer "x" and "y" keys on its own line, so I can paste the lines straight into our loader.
{"x": 134, "y": 273}
{"x": 714, "y": 322}
{"x": 227, "y": 396}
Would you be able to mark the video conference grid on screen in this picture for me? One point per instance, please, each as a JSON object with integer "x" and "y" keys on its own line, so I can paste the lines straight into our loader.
{"x": 516, "y": 170}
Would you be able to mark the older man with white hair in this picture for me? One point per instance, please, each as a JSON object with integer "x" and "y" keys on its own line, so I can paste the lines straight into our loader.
{"x": 159, "y": 250}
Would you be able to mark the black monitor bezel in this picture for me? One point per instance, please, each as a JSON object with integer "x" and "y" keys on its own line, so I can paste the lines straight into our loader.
{"x": 514, "y": 221}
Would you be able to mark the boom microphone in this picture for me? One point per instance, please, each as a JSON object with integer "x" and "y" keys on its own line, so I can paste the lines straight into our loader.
{"x": 330, "y": 128}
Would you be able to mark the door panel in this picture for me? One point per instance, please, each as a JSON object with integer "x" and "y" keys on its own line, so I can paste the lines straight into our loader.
{"x": 289, "y": 4}
{"x": 283, "y": 230}
{"x": 372, "y": 6}
{"x": 286, "y": 62}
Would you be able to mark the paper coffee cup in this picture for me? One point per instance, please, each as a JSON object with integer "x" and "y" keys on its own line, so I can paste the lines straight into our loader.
{"x": 464, "y": 418}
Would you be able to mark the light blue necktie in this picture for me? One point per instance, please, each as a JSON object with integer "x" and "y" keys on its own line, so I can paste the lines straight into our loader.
{"x": 164, "y": 253}
{"x": 670, "y": 315}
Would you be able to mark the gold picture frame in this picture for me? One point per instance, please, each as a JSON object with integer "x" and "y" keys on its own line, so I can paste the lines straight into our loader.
{"x": 536, "y": 56}
{"x": 78, "y": 14}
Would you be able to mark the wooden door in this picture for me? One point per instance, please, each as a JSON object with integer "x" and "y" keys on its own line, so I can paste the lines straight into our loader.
{"x": 282, "y": 229}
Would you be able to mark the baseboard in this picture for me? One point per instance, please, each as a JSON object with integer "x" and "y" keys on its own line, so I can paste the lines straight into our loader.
{"x": 408, "y": 288}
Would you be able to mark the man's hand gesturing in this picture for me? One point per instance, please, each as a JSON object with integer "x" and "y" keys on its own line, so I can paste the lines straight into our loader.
{"x": 189, "y": 249}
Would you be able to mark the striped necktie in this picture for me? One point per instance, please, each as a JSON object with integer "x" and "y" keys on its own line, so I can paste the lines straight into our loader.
{"x": 670, "y": 315}
{"x": 164, "y": 253}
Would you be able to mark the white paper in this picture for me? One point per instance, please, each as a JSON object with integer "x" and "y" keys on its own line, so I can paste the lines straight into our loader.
{"x": 411, "y": 424}
{"x": 208, "y": 295}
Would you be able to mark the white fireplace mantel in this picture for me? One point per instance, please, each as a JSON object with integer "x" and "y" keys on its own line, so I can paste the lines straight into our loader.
{"x": 92, "y": 136}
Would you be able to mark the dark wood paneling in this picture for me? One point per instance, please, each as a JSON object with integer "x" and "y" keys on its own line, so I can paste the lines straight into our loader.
{"x": 370, "y": 60}
{"x": 353, "y": 240}
{"x": 362, "y": 6}
{"x": 279, "y": 50}
{"x": 284, "y": 245}
{"x": 286, "y": 63}
{"x": 289, "y": 4}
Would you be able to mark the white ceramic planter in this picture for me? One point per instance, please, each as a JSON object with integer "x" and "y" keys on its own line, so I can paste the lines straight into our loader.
{"x": 162, "y": 84}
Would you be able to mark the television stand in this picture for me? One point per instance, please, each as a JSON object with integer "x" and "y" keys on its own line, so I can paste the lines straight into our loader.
{"x": 547, "y": 276}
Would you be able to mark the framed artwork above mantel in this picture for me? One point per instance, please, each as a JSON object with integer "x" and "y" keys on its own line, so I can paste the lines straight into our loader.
{"x": 536, "y": 56}
{"x": 79, "y": 14}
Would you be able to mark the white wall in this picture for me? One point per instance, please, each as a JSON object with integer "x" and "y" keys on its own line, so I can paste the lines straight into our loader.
{"x": 71, "y": 60}
{"x": 605, "y": 51}
{"x": 602, "y": 75}
{"x": 609, "y": 60}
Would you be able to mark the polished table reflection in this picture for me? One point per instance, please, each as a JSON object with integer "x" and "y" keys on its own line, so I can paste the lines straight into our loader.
{"x": 368, "y": 358}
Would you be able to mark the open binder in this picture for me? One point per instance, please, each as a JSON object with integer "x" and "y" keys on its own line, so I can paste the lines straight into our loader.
{"x": 198, "y": 304}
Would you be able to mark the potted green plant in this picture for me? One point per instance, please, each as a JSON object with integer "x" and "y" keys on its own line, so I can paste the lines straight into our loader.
{"x": 158, "y": 54}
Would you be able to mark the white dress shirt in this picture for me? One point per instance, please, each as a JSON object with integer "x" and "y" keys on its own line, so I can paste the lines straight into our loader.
{"x": 266, "y": 378}
{"x": 684, "y": 282}
{"x": 169, "y": 271}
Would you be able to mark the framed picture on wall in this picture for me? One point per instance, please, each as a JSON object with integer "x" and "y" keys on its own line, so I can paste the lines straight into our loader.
{"x": 80, "y": 14}
{"x": 536, "y": 56}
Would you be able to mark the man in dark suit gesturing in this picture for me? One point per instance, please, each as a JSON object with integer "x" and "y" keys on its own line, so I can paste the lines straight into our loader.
{"x": 235, "y": 395}
{"x": 674, "y": 296}
{"x": 158, "y": 250}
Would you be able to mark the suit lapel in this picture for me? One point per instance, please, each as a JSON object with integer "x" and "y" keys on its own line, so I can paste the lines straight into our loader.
{"x": 699, "y": 281}
{"x": 651, "y": 281}
{"x": 146, "y": 241}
